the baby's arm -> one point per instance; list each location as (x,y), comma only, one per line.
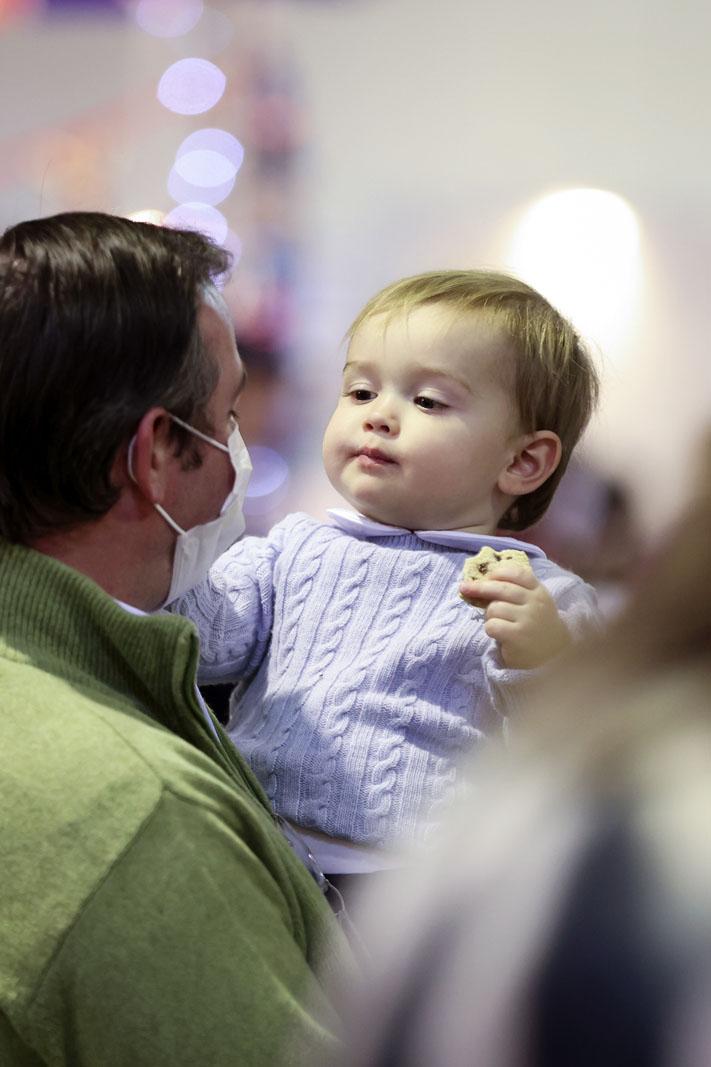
(233,609)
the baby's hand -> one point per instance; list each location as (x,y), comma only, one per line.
(520,614)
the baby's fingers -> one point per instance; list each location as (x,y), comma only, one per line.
(483,592)
(503,611)
(500,629)
(507,571)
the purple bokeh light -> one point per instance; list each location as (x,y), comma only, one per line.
(168,18)
(198,216)
(213,140)
(203,167)
(183,191)
(270,474)
(191,86)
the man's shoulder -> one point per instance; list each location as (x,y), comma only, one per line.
(83,778)
(101,753)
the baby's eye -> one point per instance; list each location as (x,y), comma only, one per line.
(428,403)
(361,395)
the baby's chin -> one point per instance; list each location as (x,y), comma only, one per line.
(382,515)
(387,517)
(384,518)
(400,515)
(403,519)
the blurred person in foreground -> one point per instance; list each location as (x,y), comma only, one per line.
(565,917)
(151,909)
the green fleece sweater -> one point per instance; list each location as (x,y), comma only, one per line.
(151,912)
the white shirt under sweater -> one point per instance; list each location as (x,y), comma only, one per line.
(363,676)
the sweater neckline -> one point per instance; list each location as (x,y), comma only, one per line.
(358,525)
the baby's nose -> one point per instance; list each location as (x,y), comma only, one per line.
(380,422)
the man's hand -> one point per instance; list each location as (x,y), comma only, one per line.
(520,614)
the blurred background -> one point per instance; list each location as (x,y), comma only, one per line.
(334,145)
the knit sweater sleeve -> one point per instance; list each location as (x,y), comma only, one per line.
(233,609)
(578,608)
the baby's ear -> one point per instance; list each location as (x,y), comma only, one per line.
(537,456)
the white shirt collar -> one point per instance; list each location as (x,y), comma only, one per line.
(358,525)
(130,608)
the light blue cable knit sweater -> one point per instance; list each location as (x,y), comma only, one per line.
(363,675)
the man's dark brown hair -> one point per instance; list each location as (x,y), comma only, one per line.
(98,323)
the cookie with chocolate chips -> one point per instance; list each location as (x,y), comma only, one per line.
(478,567)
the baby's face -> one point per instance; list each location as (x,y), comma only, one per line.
(425,425)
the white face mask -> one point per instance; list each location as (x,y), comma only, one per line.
(198,548)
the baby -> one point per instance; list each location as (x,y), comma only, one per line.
(364,676)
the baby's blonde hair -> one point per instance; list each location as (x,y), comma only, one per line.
(555,384)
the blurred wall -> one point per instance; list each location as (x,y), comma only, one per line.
(428,129)
(433,126)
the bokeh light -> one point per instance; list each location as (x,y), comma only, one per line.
(216,141)
(581,249)
(147,214)
(201,217)
(204,167)
(183,192)
(217,31)
(270,474)
(191,86)
(168,18)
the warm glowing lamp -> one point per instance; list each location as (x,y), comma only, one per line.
(148,214)
(581,249)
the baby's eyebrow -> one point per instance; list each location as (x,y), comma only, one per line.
(418,370)
(355,364)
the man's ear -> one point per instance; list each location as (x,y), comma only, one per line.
(150,455)
(537,456)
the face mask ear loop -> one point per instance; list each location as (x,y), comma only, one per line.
(129,459)
(171,522)
(199,433)
(161,511)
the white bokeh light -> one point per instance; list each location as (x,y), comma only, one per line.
(203,167)
(201,217)
(183,192)
(191,86)
(581,249)
(168,18)
(215,141)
